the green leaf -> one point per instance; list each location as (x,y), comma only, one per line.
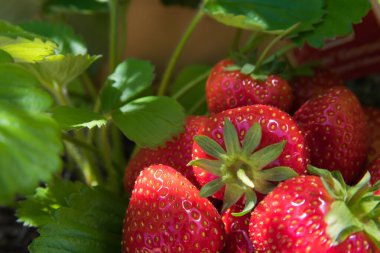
(68,42)
(5,57)
(59,69)
(150,121)
(70,117)
(38,210)
(189,88)
(92,222)
(250,202)
(130,78)
(210,146)
(211,187)
(232,194)
(24,46)
(268,154)
(30,148)
(231,138)
(21,89)
(252,139)
(266,16)
(212,166)
(82,6)
(341,14)
(277,174)
(339,219)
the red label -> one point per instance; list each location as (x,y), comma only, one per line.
(350,57)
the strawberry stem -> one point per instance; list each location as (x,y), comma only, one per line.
(265,52)
(177,51)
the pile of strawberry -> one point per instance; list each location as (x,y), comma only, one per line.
(243,179)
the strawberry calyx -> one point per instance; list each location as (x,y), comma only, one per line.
(354,208)
(240,167)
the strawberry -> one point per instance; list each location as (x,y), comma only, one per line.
(236,227)
(374,170)
(317,214)
(175,153)
(247,149)
(227,89)
(336,131)
(373,117)
(307,87)
(166,214)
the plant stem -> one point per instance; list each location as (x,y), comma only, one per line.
(88,86)
(84,160)
(113,4)
(177,51)
(190,85)
(264,54)
(236,41)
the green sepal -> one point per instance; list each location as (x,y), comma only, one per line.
(212,166)
(265,156)
(245,179)
(357,191)
(211,187)
(231,138)
(232,194)
(247,69)
(232,68)
(210,146)
(278,174)
(250,202)
(332,185)
(264,187)
(341,222)
(252,139)
(372,229)
(376,186)
(259,77)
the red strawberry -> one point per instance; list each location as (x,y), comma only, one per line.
(336,131)
(236,227)
(227,89)
(246,149)
(176,153)
(314,214)
(166,214)
(307,87)
(373,117)
(374,170)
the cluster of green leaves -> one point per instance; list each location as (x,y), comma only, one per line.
(318,19)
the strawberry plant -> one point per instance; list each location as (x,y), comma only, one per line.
(104,152)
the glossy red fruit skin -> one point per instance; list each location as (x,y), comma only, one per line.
(276,127)
(336,131)
(307,87)
(374,170)
(373,117)
(291,219)
(166,214)
(175,153)
(237,235)
(231,89)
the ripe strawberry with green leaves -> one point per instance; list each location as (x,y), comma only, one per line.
(166,214)
(335,127)
(318,214)
(373,117)
(306,87)
(175,153)
(244,151)
(236,227)
(229,86)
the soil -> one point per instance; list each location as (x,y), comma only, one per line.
(14,237)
